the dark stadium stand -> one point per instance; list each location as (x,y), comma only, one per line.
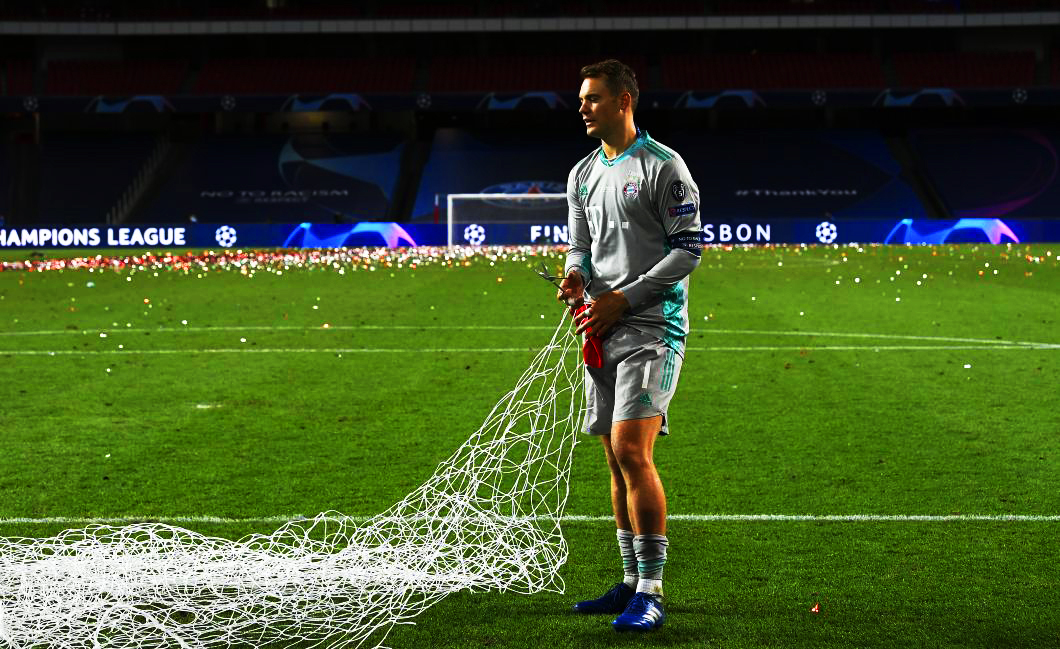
(743,174)
(992,173)
(462,162)
(19,77)
(115,77)
(807,7)
(516,73)
(7,182)
(121,11)
(804,173)
(771,71)
(659,8)
(82,176)
(426,10)
(965,69)
(781,7)
(426,87)
(282,178)
(263,76)
(537,9)
(236,12)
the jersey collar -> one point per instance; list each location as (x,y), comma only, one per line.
(642,137)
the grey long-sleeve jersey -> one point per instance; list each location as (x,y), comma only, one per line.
(633,225)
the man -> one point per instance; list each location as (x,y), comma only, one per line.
(634,238)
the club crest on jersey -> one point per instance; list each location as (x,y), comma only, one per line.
(630,189)
(678,190)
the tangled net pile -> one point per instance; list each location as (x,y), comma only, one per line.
(488,519)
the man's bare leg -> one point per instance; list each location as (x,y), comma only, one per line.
(638,499)
(630,455)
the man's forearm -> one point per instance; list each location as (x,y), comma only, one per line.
(670,270)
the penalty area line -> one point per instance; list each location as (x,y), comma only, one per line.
(571,518)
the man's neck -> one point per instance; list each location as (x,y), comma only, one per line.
(616,146)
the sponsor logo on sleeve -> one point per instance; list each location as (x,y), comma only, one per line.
(683,210)
(678,191)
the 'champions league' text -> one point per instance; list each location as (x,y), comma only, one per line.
(91,237)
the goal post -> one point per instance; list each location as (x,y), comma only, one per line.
(477,219)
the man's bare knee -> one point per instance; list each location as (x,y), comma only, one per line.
(612,461)
(631,456)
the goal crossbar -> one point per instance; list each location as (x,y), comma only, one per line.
(451,197)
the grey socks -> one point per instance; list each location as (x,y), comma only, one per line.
(650,550)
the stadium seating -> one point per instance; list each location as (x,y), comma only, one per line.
(965,69)
(658,8)
(265,76)
(516,73)
(93,11)
(19,77)
(771,71)
(530,8)
(425,10)
(82,176)
(782,7)
(462,162)
(796,173)
(283,179)
(992,173)
(7,182)
(115,77)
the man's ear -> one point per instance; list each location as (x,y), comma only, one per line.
(625,101)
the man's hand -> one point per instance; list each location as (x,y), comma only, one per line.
(603,313)
(572,291)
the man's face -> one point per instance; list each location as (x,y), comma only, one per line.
(600,110)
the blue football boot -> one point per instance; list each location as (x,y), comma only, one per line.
(643,613)
(613,601)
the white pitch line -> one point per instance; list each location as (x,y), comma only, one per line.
(501,350)
(470,350)
(827,334)
(749,332)
(330,327)
(572,518)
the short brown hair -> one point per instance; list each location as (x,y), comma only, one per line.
(618,76)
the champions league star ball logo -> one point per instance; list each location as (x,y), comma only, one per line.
(826,232)
(475,234)
(226,236)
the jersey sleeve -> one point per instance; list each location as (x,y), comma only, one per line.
(579,251)
(676,201)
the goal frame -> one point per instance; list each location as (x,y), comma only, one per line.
(488,196)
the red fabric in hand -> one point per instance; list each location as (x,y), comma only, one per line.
(593,349)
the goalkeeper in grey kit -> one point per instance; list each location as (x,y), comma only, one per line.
(635,236)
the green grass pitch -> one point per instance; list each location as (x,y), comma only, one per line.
(823,381)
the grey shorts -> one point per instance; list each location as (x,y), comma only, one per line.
(637,381)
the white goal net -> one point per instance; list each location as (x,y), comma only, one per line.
(481,219)
(487,519)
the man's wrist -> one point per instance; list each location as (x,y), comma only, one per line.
(636,292)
